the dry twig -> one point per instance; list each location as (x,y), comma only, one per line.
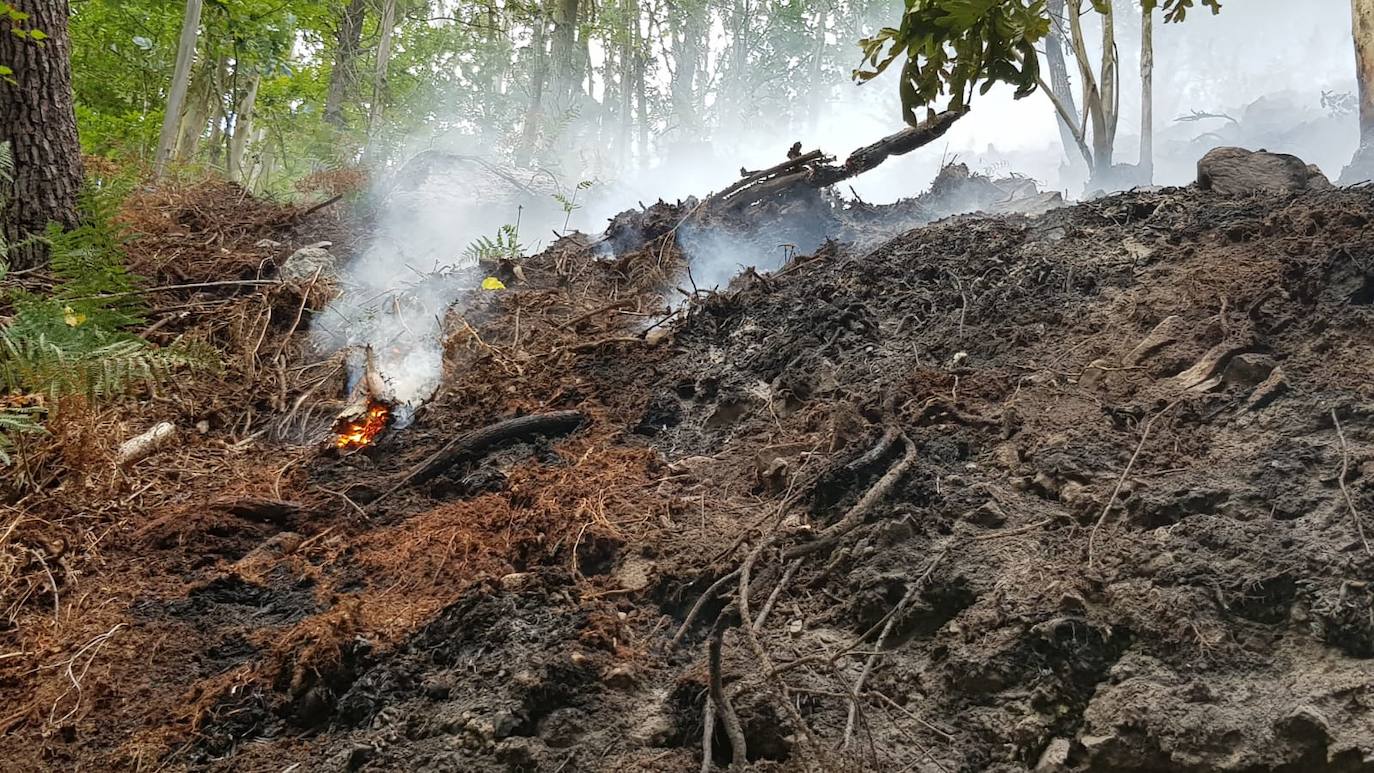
(1345,490)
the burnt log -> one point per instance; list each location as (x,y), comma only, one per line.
(473,445)
(811,171)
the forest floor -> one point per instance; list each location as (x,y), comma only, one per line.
(1077,491)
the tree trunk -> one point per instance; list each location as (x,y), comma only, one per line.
(38,120)
(181,77)
(689,33)
(1361,167)
(1147,96)
(386,30)
(197,112)
(565,53)
(539,73)
(1095,100)
(218,115)
(343,76)
(243,128)
(1061,87)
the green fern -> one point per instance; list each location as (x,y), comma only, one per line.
(506,246)
(73,340)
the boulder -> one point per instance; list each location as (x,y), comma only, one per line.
(1231,171)
(303,264)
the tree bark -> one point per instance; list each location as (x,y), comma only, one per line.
(243,128)
(386,29)
(539,73)
(1361,167)
(181,77)
(564,52)
(196,114)
(343,76)
(1147,96)
(1362,25)
(1061,87)
(38,120)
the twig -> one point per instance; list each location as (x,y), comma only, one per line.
(192,286)
(1144,435)
(322,205)
(1345,491)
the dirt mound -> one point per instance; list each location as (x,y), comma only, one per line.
(1080,491)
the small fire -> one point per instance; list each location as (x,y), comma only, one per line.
(360,431)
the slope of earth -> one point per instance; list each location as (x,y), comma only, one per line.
(1082,491)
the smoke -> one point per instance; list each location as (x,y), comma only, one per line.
(1263,63)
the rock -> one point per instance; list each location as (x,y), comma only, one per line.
(621,676)
(634,574)
(989,515)
(437,687)
(1055,757)
(518,581)
(1248,369)
(305,262)
(1268,390)
(1305,722)
(1231,171)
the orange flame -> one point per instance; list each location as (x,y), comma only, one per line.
(360,432)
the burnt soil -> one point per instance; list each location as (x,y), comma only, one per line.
(1121,452)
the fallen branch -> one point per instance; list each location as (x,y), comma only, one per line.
(772,183)
(474,444)
(142,446)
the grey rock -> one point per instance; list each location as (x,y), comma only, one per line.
(304,263)
(1232,171)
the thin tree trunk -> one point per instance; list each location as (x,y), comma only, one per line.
(1147,96)
(529,133)
(379,90)
(1094,100)
(181,76)
(565,53)
(343,76)
(197,111)
(38,120)
(1061,87)
(218,115)
(243,127)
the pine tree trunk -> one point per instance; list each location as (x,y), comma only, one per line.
(38,120)
(181,77)
(343,76)
(1147,96)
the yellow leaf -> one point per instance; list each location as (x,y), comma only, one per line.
(492,283)
(72,318)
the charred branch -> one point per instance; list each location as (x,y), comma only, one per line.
(472,445)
